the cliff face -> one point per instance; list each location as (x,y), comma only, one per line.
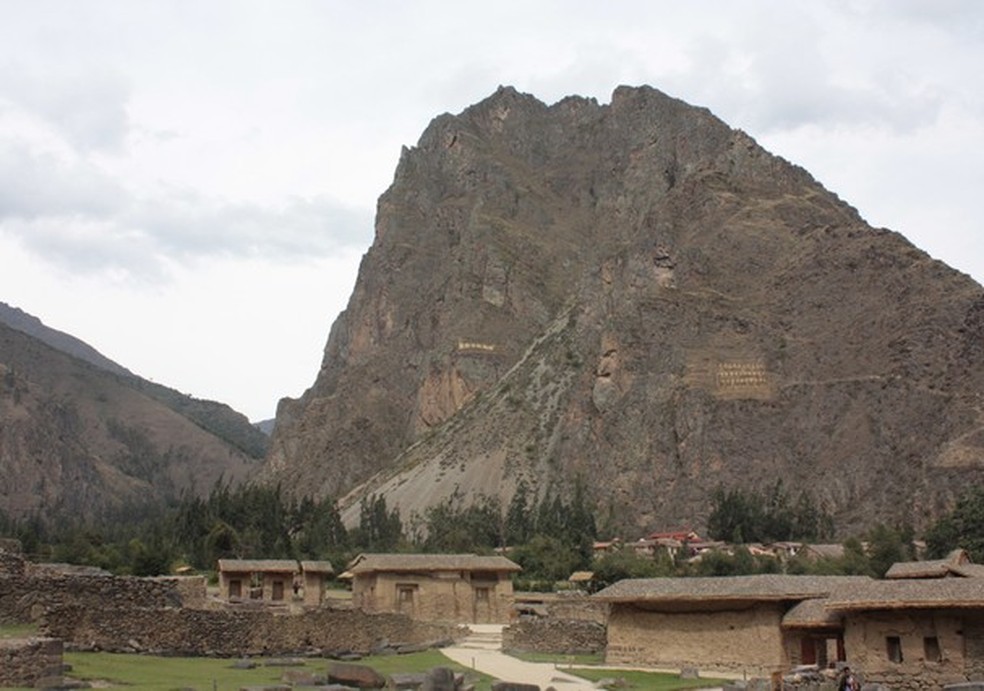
(637,294)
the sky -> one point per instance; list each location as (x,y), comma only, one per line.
(189,185)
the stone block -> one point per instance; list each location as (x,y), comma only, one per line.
(513,686)
(360,676)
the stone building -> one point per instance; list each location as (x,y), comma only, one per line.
(914,633)
(462,588)
(316,575)
(271,580)
(733,624)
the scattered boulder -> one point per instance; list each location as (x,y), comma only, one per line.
(359,676)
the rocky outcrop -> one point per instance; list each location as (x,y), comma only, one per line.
(637,294)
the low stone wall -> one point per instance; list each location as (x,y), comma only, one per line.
(555,636)
(231,633)
(25,662)
(11,562)
(25,598)
(568,606)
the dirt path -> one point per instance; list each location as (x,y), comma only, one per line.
(482,651)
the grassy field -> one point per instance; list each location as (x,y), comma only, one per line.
(650,681)
(113,670)
(116,670)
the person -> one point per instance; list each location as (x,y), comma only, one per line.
(848,681)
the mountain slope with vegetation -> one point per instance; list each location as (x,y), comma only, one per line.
(77,440)
(214,417)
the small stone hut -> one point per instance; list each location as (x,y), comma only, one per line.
(316,575)
(270,580)
(462,588)
(733,624)
(911,633)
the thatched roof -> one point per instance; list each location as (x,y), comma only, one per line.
(760,588)
(936,568)
(369,563)
(317,567)
(258,566)
(956,563)
(812,614)
(936,593)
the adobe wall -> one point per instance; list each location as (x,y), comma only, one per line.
(444,597)
(865,640)
(25,661)
(557,636)
(236,631)
(747,640)
(24,598)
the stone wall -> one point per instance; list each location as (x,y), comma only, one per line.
(866,641)
(236,632)
(558,636)
(742,641)
(24,662)
(25,598)
(11,562)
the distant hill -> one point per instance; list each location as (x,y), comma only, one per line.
(217,418)
(637,295)
(77,440)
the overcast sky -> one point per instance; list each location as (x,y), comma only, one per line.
(188,186)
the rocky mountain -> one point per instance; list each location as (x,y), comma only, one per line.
(638,295)
(217,418)
(77,440)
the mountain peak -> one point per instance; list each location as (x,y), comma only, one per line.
(639,294)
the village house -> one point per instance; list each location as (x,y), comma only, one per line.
(462,588)
(957,564)
(732,624)
(914,633)
(316,575)
(271,580)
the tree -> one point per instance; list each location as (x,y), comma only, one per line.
(963,528)
(379,529)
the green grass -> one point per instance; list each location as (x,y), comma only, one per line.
(169,673)
(650,681)
(596,659)
(18,630)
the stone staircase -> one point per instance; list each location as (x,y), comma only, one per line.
(483,637)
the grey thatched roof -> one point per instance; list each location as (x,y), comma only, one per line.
(933,593)
(317,567)
(258,566)
(956,563)
(812,613)
(768,587)
(368,563)
(937,568)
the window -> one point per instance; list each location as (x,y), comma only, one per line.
(235,588)
(482,594)
(893,646)
(931,649)
(405,596)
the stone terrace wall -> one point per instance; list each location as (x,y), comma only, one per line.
(25,598)
(578,606)
(555,636)
(11,562)
(228,632)
(24,662)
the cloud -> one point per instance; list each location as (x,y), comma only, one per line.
(35,183)
(87,107)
